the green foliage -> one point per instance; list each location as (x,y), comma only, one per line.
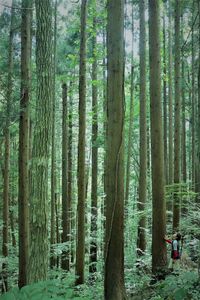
(182,287)
(52,289)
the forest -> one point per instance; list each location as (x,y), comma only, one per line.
(100,149)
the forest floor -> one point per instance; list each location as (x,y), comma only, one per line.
(180,284)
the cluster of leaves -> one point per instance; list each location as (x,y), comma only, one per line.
(184,286)
(54,289)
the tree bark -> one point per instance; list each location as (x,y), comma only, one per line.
(6,178)
(94,208)
(24,142)
(65,222)
(159,257)
(130,130)
(39,241)
(141,245)
(176,204)
(114,288)
(170,99)
(165,112)
(53,148)
(80,248)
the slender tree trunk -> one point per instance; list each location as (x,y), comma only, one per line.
(130,132)
(159,257)
(39,240)
(193,119)
(183,140)
(80,248)
(71,214)
(53,148)
(7,156)
(65,222)
(114,288)
(143,134)
(93,245)
(176,205)
(198,128)
(24,142)
(170,99)
(165,102)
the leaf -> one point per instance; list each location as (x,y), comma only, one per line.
(180,294)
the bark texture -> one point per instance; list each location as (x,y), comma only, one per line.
(159,257)
(143,134)
(93,245)
(24,142)
(80,248)
(39,209)
(177,144)
(114,243)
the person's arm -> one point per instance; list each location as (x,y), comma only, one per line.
(166,239)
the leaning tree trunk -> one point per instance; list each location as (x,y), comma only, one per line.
(24,141)
(39,218)
(114,243)
(159,257)
(176,205)
(7,156)
(141,245)
(80,248)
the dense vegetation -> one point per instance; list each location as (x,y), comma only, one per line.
(99,148)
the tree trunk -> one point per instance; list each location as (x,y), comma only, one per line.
(183,144)
(165,102)
(39,220)
(198,128)
(193,116)
(24,142)
(130,130)
(170,100)
(159,257)
(93,245)
(71,209)
(141,245)
(53,148)
(176,204)
(80,248)
(7,156)
(114,288)
(65,222)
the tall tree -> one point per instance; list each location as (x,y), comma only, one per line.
(93,245)
(6,168)
(143,133)
(170,97)
(80,249)
(39,243)
(183,123)
(159,257)
(193,104)
(198,124)
(53,145)
(165,100)
(65,217)
(131,116)
(114,243)
(24,141)
(177,107)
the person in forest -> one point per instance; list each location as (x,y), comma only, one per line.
(175,250)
